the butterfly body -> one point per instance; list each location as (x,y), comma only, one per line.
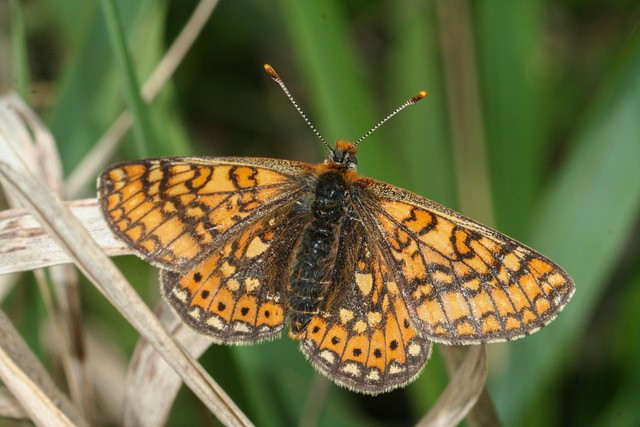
(315,257)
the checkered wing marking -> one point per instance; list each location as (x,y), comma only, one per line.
(173,211)
(234,296)
(464,282)
(365,339)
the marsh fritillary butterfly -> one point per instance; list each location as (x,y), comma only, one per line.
(367,275)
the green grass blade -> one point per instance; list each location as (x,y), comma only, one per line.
(141,121)
(150,46)
(418,137)
(323,51)
(88,97)
(583,224)
(621,404)
(19,49)
(508,42)
(340,99)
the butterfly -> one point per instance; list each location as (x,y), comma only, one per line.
(366,275)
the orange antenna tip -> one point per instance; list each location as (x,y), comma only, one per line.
(419,96)
(410,101)
(272,73)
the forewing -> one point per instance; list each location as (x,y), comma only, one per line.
(235,295)
(173,211)
(464,282)
(365,339)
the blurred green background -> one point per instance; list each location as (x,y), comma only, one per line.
(532,125)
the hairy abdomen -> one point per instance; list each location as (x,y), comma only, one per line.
(315,257)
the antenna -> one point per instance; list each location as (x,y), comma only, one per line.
(272,73)
(412,100)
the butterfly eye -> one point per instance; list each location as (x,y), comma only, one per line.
(344,158)
(351,161)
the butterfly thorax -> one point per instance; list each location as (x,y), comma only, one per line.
(315,256)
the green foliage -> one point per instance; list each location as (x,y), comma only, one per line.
(559,86)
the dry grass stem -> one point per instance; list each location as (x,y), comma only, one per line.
(35,146)
(30,383)
(151,384)
(6,281)
(108,369)
(10,407)
(484,412)
(27,246)
(27,136)
(68,308)
(68,333)
(57,329)
(315,402)
(462,391)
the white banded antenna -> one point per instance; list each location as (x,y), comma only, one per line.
(272,73)
(420,95)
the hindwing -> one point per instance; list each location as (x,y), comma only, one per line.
(235,294)
(364,338)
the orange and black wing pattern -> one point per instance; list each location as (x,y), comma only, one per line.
(462,282)
(219,229)
(235,294)
(247,245)
(364,338)
(172,211)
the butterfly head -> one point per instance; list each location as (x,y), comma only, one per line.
(344,155)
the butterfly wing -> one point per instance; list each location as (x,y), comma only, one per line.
(234,296)
(220,228)
(173,211)
(463,282)
(364,338)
